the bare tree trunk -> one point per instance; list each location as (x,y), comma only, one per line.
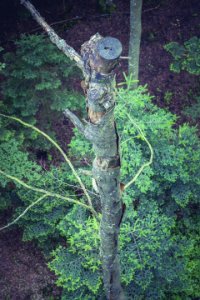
(135,37)
(98,58)
(106,166)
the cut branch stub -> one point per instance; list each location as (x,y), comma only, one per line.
(106,55)
(109,50)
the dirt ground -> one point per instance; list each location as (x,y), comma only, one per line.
(23,270)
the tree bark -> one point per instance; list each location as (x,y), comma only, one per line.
(135,38)
(99,56)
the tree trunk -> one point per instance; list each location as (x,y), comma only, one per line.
(99,56)
(134,41)
(103,54)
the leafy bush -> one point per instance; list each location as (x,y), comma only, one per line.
(40,221)
(106,6)
(152,249)
(2,65)
(158,240)
(193,111)
(186,56)
(37,85)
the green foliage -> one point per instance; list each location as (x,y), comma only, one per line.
(186,56)
(174,170)
(158,239)
(168,97)
(149,252)
(190,226)
(78,266)
(40,222)
(155,257)
(37,85)
(193,111)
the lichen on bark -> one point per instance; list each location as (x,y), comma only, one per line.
(101,131)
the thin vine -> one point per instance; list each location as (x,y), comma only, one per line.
(145,165)
(23,213)
(62,153)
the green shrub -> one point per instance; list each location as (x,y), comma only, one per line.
(40,221)
(152,249)
(193,111)
(106,6)
(37,86)
(2,65)
(158,241)
(186,56)
(168,97)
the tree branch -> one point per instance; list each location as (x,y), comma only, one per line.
(75,120)
(60,43)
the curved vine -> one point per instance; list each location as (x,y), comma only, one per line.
(67,160)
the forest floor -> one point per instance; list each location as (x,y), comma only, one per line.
(23,270)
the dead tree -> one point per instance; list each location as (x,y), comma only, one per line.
(99,56)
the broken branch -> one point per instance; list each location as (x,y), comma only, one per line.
(60,43)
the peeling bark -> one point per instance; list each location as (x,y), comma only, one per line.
(101,131)
(102,56)
(99,56)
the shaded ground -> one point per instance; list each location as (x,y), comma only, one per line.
(23,272)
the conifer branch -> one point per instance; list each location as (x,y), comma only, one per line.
(75,120)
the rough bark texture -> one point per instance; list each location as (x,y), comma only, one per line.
(99,57)
(101,131)
(135,37)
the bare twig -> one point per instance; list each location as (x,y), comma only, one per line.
(57,23)
(124,57)
(75,120)
(150,9)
